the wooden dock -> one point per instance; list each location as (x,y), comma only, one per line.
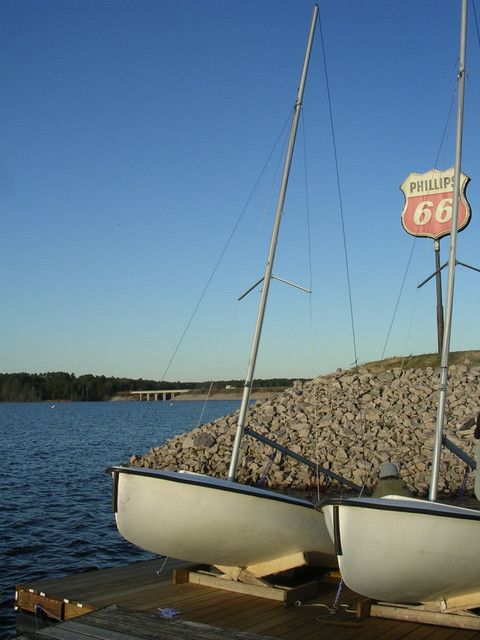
(141,601)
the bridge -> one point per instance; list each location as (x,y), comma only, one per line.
(158,394)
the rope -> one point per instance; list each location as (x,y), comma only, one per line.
(263,478)
(336,610)
(463,486)
(159,571)
(338,594)
(168,613)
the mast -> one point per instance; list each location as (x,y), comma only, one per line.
(247,388)
(452,261)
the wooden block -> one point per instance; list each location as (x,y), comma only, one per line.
(180,576)
(76,609)
(300,593)
(33,601)
(363,607)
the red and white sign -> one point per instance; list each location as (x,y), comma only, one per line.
(428,203)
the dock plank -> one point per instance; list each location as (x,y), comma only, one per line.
(142,591)
(79,631)
(117,623)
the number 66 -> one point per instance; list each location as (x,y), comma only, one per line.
(443,212)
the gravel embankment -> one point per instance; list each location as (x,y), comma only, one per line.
(347,422)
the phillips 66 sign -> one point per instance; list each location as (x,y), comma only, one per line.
(428,203)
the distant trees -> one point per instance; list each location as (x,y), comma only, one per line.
(35,387)
(38,387)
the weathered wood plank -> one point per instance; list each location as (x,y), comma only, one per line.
(426,617)
(374,628)
(237,618)
(117,623)
(232,609)
(81,631)
(464,634)
(98,581)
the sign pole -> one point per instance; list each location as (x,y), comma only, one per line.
(438,279)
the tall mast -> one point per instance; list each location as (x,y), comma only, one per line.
(271,256)
(452,261)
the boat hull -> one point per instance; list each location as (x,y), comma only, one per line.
(213,521)
(405,550)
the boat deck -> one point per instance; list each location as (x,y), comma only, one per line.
(128,602)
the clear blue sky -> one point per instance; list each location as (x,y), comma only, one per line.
(132,133)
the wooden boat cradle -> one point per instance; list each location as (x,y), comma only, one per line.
(246,584)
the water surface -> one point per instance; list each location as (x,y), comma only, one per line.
(56,497)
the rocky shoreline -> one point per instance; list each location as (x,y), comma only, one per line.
(348,422)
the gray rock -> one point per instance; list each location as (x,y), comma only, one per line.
(347,421)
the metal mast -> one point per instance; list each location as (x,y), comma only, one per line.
(271,256)
(452,261)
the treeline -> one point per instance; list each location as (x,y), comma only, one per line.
(38,387)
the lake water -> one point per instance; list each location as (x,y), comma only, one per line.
(56,497)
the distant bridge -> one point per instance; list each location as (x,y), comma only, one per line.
(158,394)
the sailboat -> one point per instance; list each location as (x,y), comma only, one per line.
(222,522)
(404,549)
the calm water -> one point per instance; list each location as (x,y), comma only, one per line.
(56,497)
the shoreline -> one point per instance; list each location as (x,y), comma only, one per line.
(216,395)
(255,395)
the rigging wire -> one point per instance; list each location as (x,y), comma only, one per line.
(268,200)
(310,309)
(476,21)
(222,351)
(399,297)
(345,248)
(415,238)
(477,31)
(332,126)
(222,253)
(445,127)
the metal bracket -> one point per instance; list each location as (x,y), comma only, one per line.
(254,286)
(457,262)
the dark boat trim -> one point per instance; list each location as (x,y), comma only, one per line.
(336,531)
(205,481)
(405,507)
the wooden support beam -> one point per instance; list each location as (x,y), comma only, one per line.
(464,620)
(288,595)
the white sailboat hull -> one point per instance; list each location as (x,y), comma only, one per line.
(404,549)
(213,521)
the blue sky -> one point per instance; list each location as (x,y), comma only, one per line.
(132,135)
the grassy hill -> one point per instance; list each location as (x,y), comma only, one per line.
(468,358)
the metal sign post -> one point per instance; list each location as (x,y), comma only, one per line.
(438,282)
